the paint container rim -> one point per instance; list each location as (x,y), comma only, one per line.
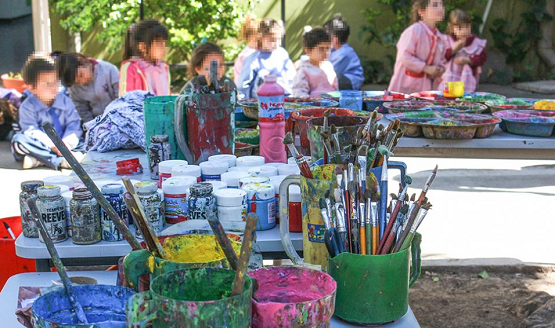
(214,167)
(166,166)
(185,170)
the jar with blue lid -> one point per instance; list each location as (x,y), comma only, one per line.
(113,192)
(261,200)
(212,170)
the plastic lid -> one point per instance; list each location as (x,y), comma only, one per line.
(230,197)
(232,178)
(294,194)
(291,160)
(276,181)
(289,169)
(49,191)
(239,169)
(63,188)
(251,179)
(216,185)
(186,170)
(201,189)
(112,189)
(178,185)
(250,161)
(230,159)
(265,171)
(270,78)
(274,164)
(146,187)
(31,185)
(213,167)
(166,166)
(59,180)
(259,191)
(159,138)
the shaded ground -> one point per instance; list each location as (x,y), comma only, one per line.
(453,299)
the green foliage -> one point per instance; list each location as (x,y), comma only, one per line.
(188,22)
(387,35)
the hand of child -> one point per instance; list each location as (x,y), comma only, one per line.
(434,71)
(462,61)
(459,45)
(55,150)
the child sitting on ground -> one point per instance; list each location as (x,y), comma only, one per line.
(466,53)
(92,83)
(44,104)
(249,34)
(145,70)
(199,67)
(315,76)
(346,63)
(269,59)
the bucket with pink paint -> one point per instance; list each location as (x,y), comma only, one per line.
(292,297)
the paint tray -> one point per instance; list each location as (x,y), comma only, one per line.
(527,122)
(438,105)
(481,97)
(511,104)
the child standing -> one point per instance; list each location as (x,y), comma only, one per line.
(44,104)
(316,75)
(199,67)
(145,70)
(466,53)
(92,83)
(343,57)
(249,34)
(420,50)
(269,59)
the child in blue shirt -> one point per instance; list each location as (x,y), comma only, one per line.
(269,59)
(346,63)
(44,104)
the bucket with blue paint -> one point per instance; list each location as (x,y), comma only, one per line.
(261,198)
(104,307)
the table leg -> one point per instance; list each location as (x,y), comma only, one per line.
(42,265)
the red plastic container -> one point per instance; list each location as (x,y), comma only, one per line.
(129,166)
(11,263)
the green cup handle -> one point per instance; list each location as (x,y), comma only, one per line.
(416,266)
(141,310)
(135,265)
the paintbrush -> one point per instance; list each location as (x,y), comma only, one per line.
(395,211)
(301,161)
(214,84)
(420,217)
(340,216)
(223,240)
(353,197)
(91,186)
(414,212)
(327,146)
(383,199)
(396,226)
(244,256)
(331,236)
(347,206)
(60,268)
(338,153)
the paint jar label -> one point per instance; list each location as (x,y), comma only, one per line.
(316,233)
(54,219)
(270,107)
(109,230)
(206,177)
(272,212)
(176,208)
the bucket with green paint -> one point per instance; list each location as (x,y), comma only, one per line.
(192,298)
(182,252)
(374,289)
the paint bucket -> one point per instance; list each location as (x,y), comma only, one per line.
(314,249)
(347,127)
(192,298)
(104,307)
(159,119)
(374,289)
(292,297)
(11,263)
(296,123)
(182,251)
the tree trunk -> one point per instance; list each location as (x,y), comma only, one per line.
(545,46)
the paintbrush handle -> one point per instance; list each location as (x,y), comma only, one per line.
(390,225)
(406,231)
(383,208)
(363,240)
(375,237)
(388,243)
(57,262)
(223,240)
(152,242)
(368,238)
(246,247)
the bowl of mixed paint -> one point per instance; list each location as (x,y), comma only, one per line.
(192,298)
(182,252)
(292,297)
(104,307)
(527,122)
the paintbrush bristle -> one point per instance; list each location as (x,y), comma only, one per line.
(404,209)
(413,197)
(408,179)
(288,139)
(333,129)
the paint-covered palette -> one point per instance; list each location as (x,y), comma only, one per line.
(527,122)
(511,104)
(438,105)
(250,106)
(481,97)
(445,124)
(429,95)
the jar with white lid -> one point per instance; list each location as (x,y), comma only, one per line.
(212,170)
(276,182)
(261,200)
(217,185)
(187,170)
(232,204)
(251,179)
(232,178)
(175,198)
(265,171)
(165,169)
(250,161)
(58,180)
(230,159)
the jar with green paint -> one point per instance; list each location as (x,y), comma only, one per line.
(85,218)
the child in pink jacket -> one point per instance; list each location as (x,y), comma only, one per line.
(315,75)
(466,53)
(420,50)
(145,70)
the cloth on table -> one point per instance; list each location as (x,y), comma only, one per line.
(121,126)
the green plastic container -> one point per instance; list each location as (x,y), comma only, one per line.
(159,119)
(374,289)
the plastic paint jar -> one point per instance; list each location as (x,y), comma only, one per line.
(251,179)
(202,203)
(175,198)
(113,192)
(159,150)
(187,170)
(232,204)
(52,209)
(232,178)
(289,169)
(261,200)
(250,161)
(165,169)
(129,167)
(217,185)
(212,171)
(85,217)
(230,159)
(276,182)
(28,191)
(57,180)
(152,205)
(295,211)
(265,171)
